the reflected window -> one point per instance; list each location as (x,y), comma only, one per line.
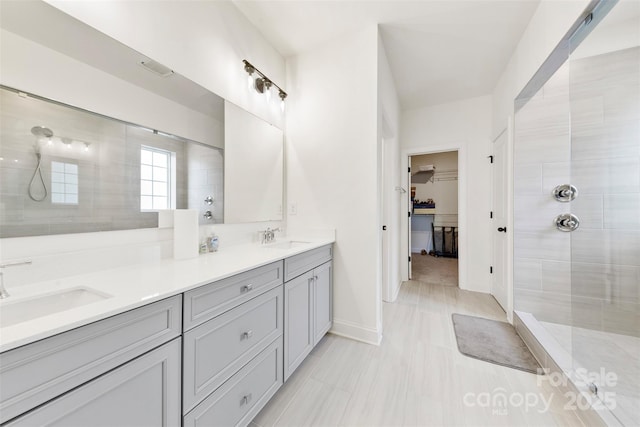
(64,183)
(155,178)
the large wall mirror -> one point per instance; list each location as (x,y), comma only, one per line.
(92,139)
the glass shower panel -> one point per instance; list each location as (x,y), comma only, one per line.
(604,90)
(542,263)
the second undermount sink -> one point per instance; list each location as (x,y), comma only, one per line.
(12,313)
(287,244)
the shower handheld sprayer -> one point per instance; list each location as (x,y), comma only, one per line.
(39,131)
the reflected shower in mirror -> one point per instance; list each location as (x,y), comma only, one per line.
(99,87)
(65,170)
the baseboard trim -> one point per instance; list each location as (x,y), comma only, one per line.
(397,292)
(353,331)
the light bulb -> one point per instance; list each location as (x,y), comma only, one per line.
(49,141)
(249,81)
(268,95)
(86,146)
(282,105)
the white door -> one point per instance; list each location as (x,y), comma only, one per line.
(409,213)
(386,214)
(499,209)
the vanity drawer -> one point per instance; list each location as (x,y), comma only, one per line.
(300,264)
(217,349)
(209,301)
(35,373)
(240,399)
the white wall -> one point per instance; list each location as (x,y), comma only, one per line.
(332,165)
(64,79)
(465,126)
(444,188)
(390,176)
(549,24)
(204,41)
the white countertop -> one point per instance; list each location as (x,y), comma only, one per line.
(137,285)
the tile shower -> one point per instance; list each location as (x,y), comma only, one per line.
(105,155)
(583,287)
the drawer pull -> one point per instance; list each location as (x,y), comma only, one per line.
(245,399)
(246,288)
(246,335)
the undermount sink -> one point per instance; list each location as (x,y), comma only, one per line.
(12,313)
(287,244)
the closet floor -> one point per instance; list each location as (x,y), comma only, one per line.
(435,271)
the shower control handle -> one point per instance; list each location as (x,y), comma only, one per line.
(565,193)
(567,222)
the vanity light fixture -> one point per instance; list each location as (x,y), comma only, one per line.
(250,70)
(262,83)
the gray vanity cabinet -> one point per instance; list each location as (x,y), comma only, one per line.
(298,321)
(36,373)
(216,350)
(233,358)
(323,298)
(143,392)
(308,305)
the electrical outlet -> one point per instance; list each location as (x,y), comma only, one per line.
(293,208)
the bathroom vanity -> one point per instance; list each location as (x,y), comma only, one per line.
(211,352)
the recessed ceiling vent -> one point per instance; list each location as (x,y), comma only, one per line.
(157,68)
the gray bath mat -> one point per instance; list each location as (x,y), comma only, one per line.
(494,342)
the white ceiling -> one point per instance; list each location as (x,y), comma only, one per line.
(439,50)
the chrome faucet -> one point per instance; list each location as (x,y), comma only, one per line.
(3,292)
(269,235)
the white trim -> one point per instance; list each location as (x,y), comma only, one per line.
(462,205)
(396,292)
(347,329)
(510,207)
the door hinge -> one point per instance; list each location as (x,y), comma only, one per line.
(409,259)
(491,270)
(490,159)
(409,214)
(384,228)
(491,214)
(409,170)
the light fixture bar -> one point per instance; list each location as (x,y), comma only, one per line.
(249,66)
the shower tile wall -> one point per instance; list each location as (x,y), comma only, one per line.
(109,171)
(205,178)
(583,127)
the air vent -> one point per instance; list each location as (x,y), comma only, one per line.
(157,68)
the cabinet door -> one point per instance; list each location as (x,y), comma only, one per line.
(143,392)
(298,321)
(323,303)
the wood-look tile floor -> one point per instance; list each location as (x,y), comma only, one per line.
(416,377)
(432,270)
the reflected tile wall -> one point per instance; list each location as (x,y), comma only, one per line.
(107,155)
(583,128)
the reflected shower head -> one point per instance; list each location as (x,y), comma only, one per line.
(42,131)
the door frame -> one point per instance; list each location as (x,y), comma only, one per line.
(458,146)
(499,265)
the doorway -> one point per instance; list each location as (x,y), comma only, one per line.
(433,220)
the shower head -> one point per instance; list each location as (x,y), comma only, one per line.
(42,131)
